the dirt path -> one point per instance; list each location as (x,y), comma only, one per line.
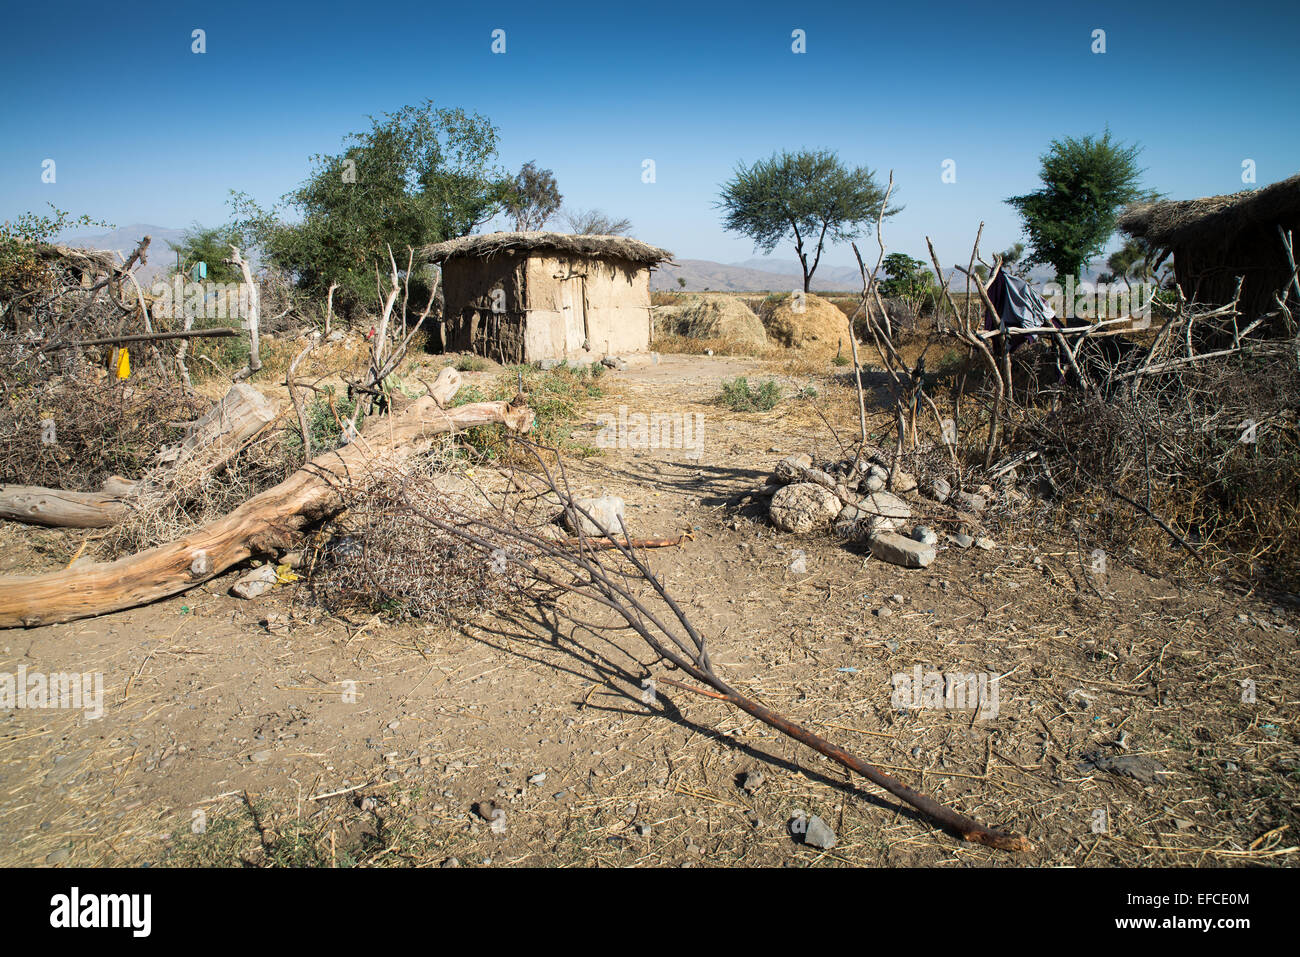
(381,738)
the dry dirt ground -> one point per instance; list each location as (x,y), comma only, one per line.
(222,740)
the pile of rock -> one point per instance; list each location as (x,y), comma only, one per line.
(853,500)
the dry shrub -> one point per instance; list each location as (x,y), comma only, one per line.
(186,497)
(102,426)
(1182,445)
(384,557)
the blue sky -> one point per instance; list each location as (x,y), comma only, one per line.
(144,130)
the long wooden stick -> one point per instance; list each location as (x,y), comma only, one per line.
(968,828)
(123,340)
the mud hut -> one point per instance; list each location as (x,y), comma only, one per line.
(1217,239)
(520,297)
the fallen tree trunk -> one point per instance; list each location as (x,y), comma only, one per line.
(265,523)
(217,435)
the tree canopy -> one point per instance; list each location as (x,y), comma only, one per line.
(533,197)
(417,176)
(211,245)
(808,197)
(1086,183)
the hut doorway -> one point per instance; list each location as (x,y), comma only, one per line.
(573,306)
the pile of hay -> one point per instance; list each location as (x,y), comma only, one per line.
(723,318)
(820,327)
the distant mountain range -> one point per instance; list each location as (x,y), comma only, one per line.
(159,258)
(759,274)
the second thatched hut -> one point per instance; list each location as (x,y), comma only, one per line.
(1218,239)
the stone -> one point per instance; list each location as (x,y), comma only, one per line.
(803,507)
(292,559)
(819,834)
(820,477)
(925,535)
(874,480)
(255,582)
(606,514)
(614,362)
(898,550)
(1139,767)
(904,482)
(937,489)
(884,512)
(985,543)
(537,778)
(969,502)
(961,540)
(791,468)
(59,856)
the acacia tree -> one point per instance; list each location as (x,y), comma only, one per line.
(808,197)
(594,222)
(533,197)
(417,176)
(1086,183)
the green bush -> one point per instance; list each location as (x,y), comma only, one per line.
(738,396)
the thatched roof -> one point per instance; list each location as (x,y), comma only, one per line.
(87,260)
(1214,219)
(598,247)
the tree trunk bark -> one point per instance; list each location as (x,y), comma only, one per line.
(261,525)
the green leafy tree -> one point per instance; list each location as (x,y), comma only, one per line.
(533,197)
(209,245)
(908,279)
(417,176)
(809,198)
(22,267)
(1086,183)
(1130,261)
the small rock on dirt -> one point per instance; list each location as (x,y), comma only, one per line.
(607,512)
(1139,767)
(897,550)
(925,535)
(255,582)
(819,834)
(969,502)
